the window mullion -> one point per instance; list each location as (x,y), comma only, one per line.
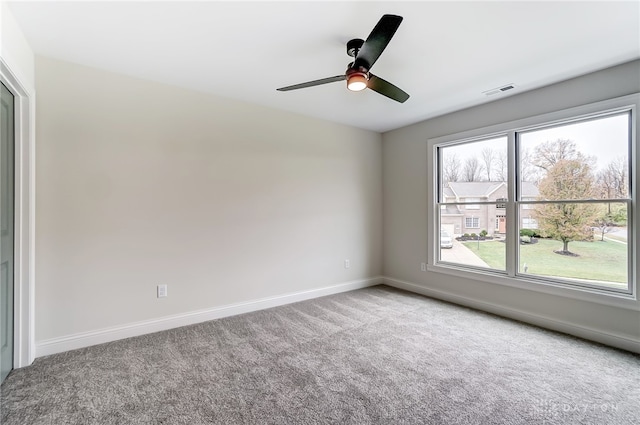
(512,238)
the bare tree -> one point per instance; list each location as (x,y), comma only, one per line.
(612,181)
(529,171)
(551,152)
(501,166)
(618,172)
(452,168)
(604,225)
(488,156)
(605,184)
(472,170)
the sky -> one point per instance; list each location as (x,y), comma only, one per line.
(605,138)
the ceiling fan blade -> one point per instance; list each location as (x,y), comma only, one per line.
(385,88)
(377,41)
(314,83)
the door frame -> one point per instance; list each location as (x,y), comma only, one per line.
(24,203)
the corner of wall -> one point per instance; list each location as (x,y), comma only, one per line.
(15,49)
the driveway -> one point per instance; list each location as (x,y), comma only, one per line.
(618,232)
(462,255)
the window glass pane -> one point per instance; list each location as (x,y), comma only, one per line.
(470,172)
(577,161)
(582,243)
(473,238)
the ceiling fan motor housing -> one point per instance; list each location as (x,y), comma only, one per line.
(353,46)
(351,71)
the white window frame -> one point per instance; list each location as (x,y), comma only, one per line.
(510,277)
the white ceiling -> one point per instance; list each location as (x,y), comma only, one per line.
(445,54)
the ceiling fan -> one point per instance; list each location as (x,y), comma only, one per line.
(365,54)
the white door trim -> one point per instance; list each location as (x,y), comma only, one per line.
(24,256)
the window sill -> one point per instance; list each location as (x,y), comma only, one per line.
(617,300)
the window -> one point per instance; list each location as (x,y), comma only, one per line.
(581,169)
(471,171)
(472,222)
(567,181)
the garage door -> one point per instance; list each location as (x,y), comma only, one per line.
(449,228)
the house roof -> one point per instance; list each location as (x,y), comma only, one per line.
(447,192)
(484,189)
(474,189)
(529,190)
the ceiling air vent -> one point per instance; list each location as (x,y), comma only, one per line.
(499,90)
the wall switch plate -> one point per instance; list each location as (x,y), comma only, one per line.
(162,291)
(347,264)
(423,267)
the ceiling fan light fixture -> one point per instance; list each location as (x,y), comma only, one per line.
(357,81)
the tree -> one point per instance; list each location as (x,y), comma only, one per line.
(501,166)
(619,171)
(472,170)
(605,184)
(604,224)
(488,157)
(451,168)
(612,180)
(567,179)
(550,153)
(529,172)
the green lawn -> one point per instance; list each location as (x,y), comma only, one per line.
(490,252)
(601,261)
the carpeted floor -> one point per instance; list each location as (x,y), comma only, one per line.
(372,356)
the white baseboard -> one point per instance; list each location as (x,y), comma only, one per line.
(618,341)
(86,339)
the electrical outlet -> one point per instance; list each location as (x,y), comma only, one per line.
(347,264)
(423,267)
(162,291)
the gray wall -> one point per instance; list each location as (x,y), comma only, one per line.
(140,184)
(405,194)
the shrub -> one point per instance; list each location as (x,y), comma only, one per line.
(473,235)
(527,232)
(466,235)
(483,233)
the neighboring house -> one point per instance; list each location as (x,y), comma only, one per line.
(470,218)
